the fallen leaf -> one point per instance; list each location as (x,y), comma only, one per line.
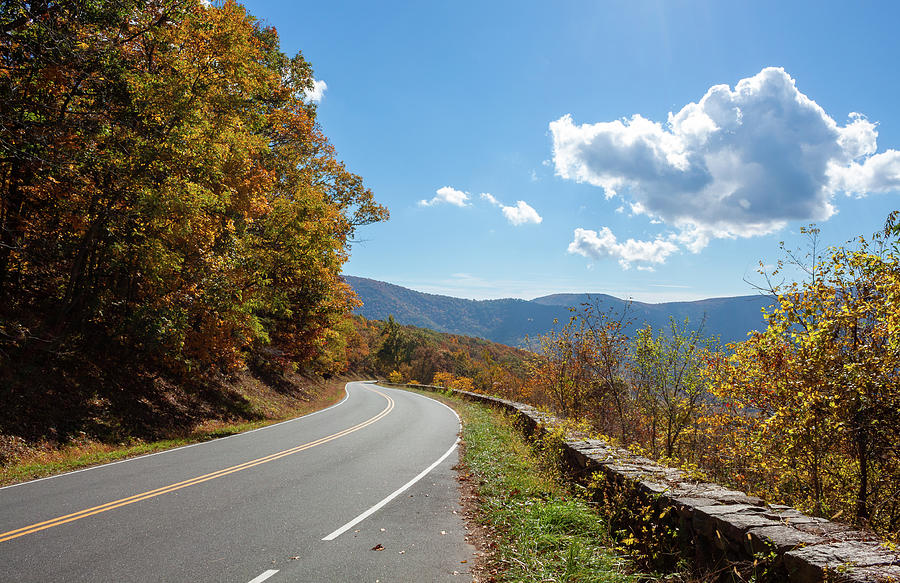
(378,547)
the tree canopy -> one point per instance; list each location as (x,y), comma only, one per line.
(164,182)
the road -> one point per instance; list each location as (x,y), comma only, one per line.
(277,504)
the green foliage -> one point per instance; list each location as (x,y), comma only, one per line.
(417,353)
(667,376)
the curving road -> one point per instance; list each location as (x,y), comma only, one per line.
(304,500)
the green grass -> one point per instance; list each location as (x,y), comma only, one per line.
(543,530)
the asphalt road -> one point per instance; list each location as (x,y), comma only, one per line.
(277,504)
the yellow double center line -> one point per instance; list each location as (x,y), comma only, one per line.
(193,481)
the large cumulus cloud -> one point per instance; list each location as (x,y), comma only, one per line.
(738,163)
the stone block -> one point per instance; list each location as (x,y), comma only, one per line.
(848,561)
(686,506)
(731,522)
(780,538)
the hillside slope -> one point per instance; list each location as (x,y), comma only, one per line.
(509,321)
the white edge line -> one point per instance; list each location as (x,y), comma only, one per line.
(406,486)
(263,576)
(146,455)
(390,497)
(430,399)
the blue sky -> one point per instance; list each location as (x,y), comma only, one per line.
(665,147)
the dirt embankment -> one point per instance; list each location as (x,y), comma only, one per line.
(106,400)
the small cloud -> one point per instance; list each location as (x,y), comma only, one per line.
(534,176)
(490,198)
(516,215)
(449,195)
(317,93)
(521,213)
(603,245)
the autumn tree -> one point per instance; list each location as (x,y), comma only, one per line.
(562,367)
(609,366)
(816,394)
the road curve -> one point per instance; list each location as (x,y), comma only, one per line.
(303,500)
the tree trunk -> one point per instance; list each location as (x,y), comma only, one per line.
(862,447)
(10,221)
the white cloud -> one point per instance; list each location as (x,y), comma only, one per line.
(516,215)
(604,245)
(521,214)
(449,195)
(738,163)
(317,93)
(878,173)
(490,198)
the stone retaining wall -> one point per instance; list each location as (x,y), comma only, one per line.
(720,529)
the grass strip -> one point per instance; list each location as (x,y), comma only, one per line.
(543,531)
(74,457)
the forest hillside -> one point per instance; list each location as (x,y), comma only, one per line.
(509,321)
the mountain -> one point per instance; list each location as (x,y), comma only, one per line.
(509,321)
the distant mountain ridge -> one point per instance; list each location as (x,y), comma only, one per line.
(509,321)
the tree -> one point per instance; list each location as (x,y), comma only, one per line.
(667,372)
(396,346)
(609,362)
(563,367)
